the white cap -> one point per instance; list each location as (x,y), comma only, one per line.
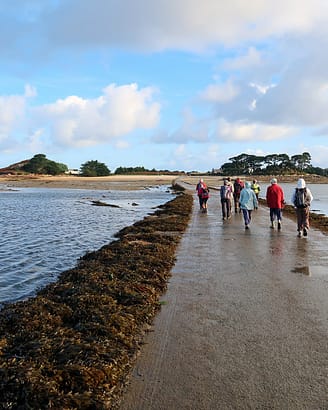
(301,183)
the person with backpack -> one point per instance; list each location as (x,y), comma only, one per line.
(199,189)
(226,195)
(247,203)
(275,201)
(238,186)
(301,199)
(205,195)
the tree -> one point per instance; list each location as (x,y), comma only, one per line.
(94,169)
(39,164)
(301,161)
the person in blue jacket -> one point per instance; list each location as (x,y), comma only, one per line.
(247,202)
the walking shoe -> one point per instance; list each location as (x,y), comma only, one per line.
(299,234)
(246,227)
(279,225)
(272,225)
(304,232)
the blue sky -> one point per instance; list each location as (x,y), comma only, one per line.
(165,84)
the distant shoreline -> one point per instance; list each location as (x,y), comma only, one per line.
(117,182)
(135,182)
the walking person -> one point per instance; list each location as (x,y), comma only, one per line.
(199,188)
(256,188)
(301,199)
(247,203)
(275,201)
(205,195)
(226,195)
(238,186)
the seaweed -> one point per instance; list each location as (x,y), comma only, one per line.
(73,345)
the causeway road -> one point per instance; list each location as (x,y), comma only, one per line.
(244,322)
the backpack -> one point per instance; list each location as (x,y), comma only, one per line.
(225,191)
(237,187)
(299,200)
(205,193)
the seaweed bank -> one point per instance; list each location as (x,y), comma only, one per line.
(74,344)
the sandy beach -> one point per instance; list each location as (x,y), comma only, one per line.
(126,182)
(123,182)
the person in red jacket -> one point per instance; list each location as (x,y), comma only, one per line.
(275,201)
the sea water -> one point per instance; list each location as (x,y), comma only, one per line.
(43,231)
(319,191)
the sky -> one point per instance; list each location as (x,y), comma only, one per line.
(165,84)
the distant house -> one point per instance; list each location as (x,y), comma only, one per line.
(72,172)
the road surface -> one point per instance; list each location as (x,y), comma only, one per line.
(244,321)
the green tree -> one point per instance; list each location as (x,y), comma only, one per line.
(301,161)
(94,169)
(39,164)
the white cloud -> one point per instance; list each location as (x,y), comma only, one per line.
(220,92)
(245,132)
(251,59)
(13,113)
(75,121)
(156,25)
(170,24)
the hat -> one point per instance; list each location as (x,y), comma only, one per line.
(301,183)
(273,181)
(247,184)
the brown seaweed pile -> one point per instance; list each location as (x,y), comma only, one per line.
(72,346)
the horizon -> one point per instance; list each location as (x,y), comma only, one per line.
(168,85)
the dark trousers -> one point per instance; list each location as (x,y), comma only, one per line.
(226,207)
(275,213)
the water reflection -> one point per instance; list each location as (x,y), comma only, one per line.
(276,244)
(301,261)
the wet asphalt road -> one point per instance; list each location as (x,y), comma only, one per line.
(244,324)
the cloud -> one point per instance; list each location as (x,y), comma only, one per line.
(245,132)
(191,129)
(249,60)
(220,92)
(13,113)
(154,25)
(79,122)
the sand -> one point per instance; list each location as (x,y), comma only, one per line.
(118,182)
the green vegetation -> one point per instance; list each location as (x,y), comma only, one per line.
(94,169)
(39,164)
(245,164)
(131,170)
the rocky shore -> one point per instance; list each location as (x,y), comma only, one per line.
(73,345)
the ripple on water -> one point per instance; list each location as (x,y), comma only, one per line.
(45,231)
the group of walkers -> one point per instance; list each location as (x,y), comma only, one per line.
(245,197)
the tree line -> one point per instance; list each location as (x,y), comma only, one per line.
(40,164)
(273,164)
(242,164)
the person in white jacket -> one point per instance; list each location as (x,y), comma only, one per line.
(301,199)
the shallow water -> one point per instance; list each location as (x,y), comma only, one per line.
(319,191)
(44,231)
